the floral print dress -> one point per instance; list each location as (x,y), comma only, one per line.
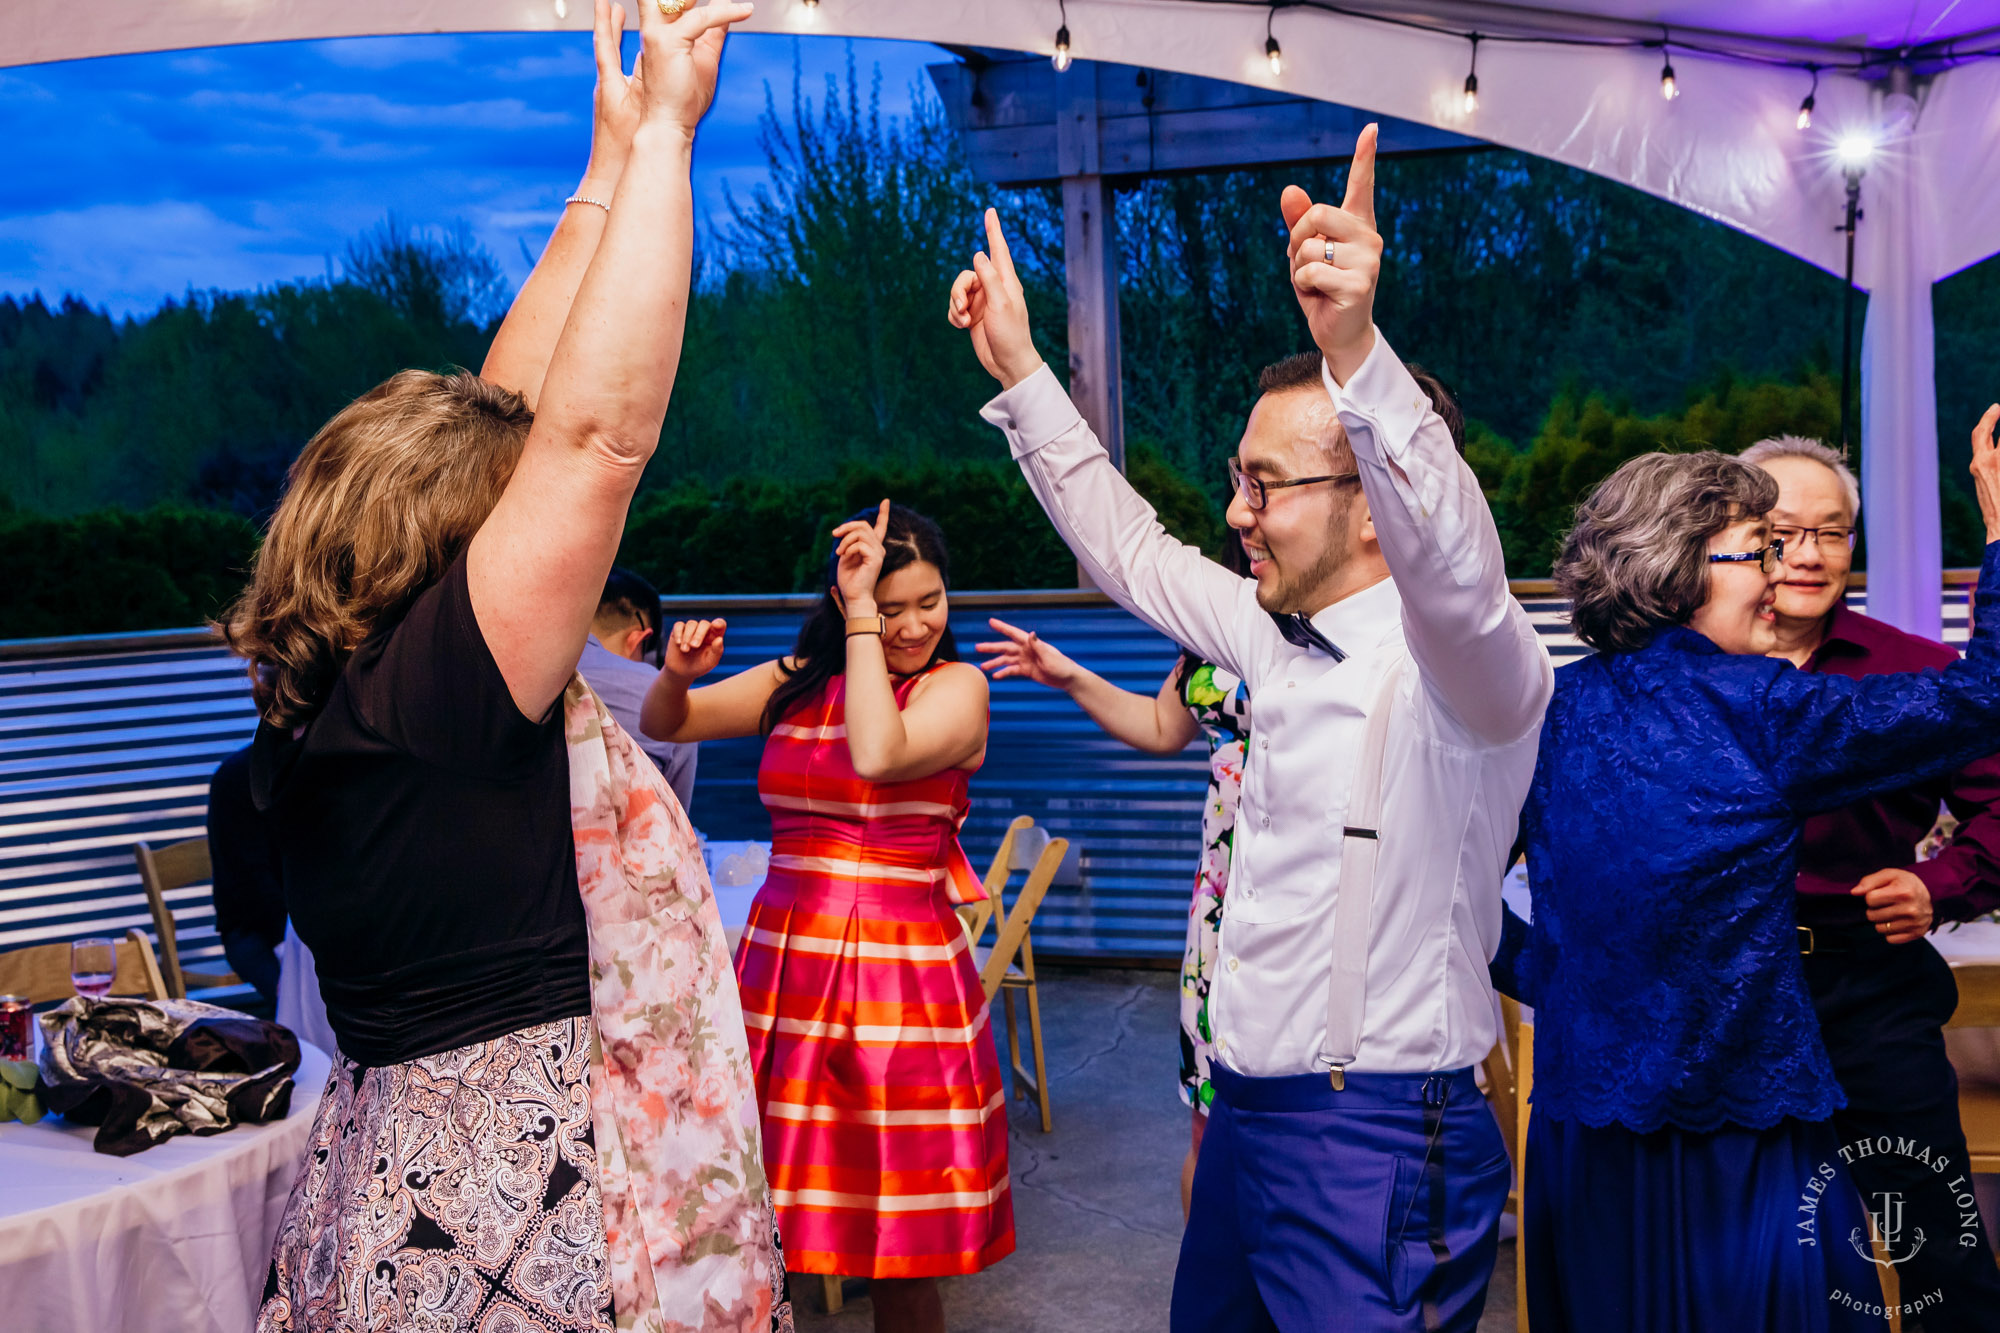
(1222,706)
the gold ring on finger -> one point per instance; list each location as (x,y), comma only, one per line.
(673,9)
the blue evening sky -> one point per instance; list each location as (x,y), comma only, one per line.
(131,179)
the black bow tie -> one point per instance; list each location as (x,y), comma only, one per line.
(1300,632)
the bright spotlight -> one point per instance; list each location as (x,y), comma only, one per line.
(1855,151)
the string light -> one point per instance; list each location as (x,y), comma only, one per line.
(1806,107)
(1668,89)
(1272,51)
(811,7)
(1061,58)
(1472,79)
(562,10)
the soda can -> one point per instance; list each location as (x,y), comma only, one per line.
(17,1034)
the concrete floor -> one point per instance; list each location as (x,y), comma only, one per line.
(1097,1210)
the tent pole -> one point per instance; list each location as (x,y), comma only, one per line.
(1847,310)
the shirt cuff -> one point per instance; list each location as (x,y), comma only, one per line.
(1034,412)
(1949,900)
(1384,396)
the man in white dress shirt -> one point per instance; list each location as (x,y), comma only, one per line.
(1351,1176)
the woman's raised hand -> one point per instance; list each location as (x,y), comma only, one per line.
(988,301)
(679,58)
(1986,471)
(617,102)
(1022,653)
(694,648)
(858,560)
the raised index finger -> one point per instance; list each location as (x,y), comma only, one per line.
(1360,200)
(996,244)
(882,521)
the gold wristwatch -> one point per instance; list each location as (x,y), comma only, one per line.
(877,625)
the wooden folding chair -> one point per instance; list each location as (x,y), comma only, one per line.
(1510,1076)
(1009,966)
(41,971)
(976,916)
(176,866)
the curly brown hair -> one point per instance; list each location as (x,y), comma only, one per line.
(1637,558)
(376,508)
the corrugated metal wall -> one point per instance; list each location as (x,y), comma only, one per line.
(114,740)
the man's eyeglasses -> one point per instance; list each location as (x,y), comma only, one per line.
(1256,492)
(1768,558)
(1835,540)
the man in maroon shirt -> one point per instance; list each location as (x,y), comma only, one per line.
(1865,904)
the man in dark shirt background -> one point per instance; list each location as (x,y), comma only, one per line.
(1865,905)
(249,886)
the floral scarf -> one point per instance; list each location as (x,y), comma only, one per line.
(688,1223)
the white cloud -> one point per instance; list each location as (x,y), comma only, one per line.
(173,245)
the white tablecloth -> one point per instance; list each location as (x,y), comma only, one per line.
(300,1007)
(176,1239)
(736,870)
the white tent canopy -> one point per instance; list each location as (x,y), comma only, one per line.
(1729,147)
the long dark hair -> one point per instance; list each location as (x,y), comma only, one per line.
(821,652)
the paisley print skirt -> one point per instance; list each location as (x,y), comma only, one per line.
(456,1192)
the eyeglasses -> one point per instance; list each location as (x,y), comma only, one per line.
(1825,540)
(1256,492)
(1768,558)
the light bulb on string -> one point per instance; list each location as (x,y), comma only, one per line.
(1806,107)
(811,7)
(562,10)
(1668,88)
(1272,51)
(1061,57)
(1472,79)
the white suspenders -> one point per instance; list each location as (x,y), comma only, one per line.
(1347,992)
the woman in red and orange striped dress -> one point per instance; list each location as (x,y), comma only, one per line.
(885,1125)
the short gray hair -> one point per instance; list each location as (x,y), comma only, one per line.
(1798,446)
(1637,558)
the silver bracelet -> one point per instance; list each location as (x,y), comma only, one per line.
(586,199)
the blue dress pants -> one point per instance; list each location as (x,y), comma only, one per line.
(1375,1207)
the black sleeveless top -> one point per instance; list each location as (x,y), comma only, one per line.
(424,827)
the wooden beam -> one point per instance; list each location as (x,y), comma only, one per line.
(1090,260)
(1019,122)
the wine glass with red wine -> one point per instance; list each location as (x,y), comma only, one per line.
(92,964)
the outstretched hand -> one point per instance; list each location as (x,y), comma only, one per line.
(1986,471)
(1022,653)
(858,560)
(988,302)
(679,59)
(694,648)
(1336,259)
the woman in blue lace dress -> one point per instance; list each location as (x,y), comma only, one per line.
(1683,1174)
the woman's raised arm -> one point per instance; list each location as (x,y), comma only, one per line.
(537,566)
(673,711)
(526,339)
